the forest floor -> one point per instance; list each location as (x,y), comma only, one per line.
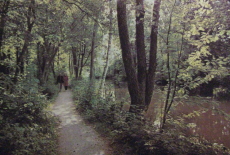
(75,136)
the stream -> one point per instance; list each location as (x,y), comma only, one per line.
(206,118)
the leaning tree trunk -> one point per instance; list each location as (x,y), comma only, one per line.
(169,90)
(126,53)
(152,53)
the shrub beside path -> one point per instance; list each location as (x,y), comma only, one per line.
(75,137)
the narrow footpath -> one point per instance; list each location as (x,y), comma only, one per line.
(75,137)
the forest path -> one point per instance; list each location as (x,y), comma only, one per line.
(75,137)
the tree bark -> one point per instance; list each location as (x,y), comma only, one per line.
(79,59)
(108,49)
(140,46)
(5,6)
(82,60)
(126,53)
(167,102)
(71,67)
(75,62)
(45,57)
(4,10)
(22,54)
(92,69)
(152,53)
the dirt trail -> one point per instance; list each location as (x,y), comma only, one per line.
(75,137)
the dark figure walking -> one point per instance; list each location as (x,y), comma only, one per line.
(65,79)
(60,80)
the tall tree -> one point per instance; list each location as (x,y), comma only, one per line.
(92,69)
(140,87)
(140,47)
(130,70)
(45,56)
(152,53)
(3,13)
(95,31)
(21,55)
(109,46)
(75,60)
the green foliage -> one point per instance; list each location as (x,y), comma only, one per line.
(129,132)
(25,127)
(94,107)
(117,71)
(193,45)
(50,89)
(80,95)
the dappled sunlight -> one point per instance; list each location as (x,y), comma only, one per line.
(67,118)
(100,153)
(154,112)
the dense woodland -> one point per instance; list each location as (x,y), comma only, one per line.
(179,49)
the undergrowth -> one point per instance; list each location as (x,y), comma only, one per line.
(130,134)
(26,128)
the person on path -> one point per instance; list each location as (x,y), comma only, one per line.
(65,79)
(60,80)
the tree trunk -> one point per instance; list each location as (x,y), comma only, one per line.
(79,59)
(92,69)
(140,46)
(108,49)
(75,62)
(45,57)
(126,53)
(82,59)
(71,67)
(53,70)
(152,53)
(4,10)
(22,54)
(169,90)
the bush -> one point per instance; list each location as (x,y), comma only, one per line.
(130,133)
(25,127)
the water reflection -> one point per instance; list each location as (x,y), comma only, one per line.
(210,122)
(204,117)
